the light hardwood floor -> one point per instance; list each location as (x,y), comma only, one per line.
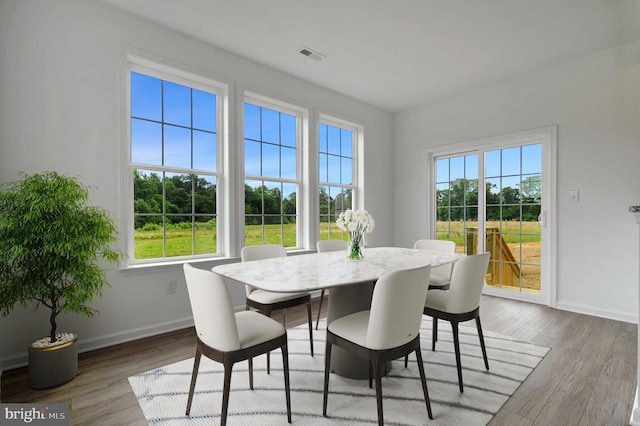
(588,377)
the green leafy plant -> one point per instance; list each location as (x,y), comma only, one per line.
(51,246)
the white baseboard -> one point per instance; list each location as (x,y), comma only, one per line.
(602,313)
(85,345)
(100,342)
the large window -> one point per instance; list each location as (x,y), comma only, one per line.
(336,169)
(271,140)
(173,169)
(200,188)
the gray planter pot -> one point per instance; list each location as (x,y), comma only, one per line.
(53,366)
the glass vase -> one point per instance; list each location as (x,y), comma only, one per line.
(355,249)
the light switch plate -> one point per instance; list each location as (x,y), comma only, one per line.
(574,196)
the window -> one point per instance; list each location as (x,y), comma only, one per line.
(271,151)
(182,170)
(173,169)
(336,144)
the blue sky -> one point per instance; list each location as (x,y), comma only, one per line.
(182,132)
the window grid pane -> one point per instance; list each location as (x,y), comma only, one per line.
(271,176)
(513,198)
(173,135)
(336,171)
(335,155)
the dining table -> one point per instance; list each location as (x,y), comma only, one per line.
(350,282)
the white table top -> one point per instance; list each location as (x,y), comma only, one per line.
(330,269)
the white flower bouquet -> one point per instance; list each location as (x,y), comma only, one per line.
(356,223)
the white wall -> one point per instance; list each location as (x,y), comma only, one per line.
(59,94)
(595,101)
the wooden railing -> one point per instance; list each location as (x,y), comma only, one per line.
(503,267)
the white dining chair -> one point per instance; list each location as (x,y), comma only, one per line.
(228,337)
(387,331)
(461,302)
(440,275)
(322,247)
(267,301)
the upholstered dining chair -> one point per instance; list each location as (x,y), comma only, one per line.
(324,246)
(389,330)
(266,301)
(460,303)
(228,337)
(440,275)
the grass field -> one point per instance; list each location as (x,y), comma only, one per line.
(512,231)
(148,244)
(522,239)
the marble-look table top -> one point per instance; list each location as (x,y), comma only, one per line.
(330,269)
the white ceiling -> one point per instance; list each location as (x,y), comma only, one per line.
(395,54)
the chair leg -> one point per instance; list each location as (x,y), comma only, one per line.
(228,367)
(194,376)
(423,378)
(287,385)
(320,308)
(456,344)
(250,373)
(406,361)
(310,326)
(378,366)
(267,311)
(434,333)
(327,367)
(484,349)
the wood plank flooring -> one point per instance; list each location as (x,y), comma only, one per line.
(588,377)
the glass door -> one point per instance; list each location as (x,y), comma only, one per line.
(513,204)
(494,198)
(457,200)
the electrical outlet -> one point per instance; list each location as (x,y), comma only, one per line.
(171,287)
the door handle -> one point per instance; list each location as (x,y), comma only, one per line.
(542,219)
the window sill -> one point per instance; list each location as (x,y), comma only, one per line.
(170,266)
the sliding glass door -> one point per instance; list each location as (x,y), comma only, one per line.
(492,198)
(513,179)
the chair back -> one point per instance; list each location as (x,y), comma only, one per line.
(438,245)
(442,272)
(266,251)
(396,307)
(212,309)
(467,282)
(331,245)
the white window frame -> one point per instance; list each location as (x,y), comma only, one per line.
(302,151)
(198,80)
(357,192)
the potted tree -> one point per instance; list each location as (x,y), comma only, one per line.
(52,243)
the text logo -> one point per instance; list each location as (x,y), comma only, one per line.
(36,414)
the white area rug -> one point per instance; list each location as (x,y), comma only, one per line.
(162,393)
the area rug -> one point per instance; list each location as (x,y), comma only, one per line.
(162,392)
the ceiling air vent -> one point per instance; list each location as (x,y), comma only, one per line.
(312,53)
